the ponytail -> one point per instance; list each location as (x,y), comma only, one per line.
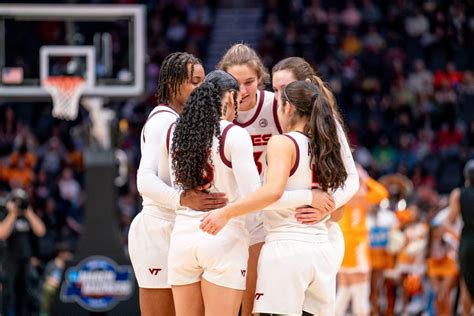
(325,146)
(331,100)
(311,100)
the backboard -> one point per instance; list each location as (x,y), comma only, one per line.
(104,44)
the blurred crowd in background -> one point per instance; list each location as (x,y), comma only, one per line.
(402,72)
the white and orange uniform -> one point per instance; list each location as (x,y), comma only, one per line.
(261,123)
(445,265)
(298,263)
(411,258)
(150,231)
(354,227)
(220,259)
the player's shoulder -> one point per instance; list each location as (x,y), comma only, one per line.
(163,111)
(233,134)
(268,98)
(235,130)
(283,141)
(161,116)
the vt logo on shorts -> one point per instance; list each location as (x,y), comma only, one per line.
(243,272)
(154,271)
(258,295)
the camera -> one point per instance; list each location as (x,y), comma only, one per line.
(19,197)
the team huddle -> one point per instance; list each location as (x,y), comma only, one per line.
(242,190)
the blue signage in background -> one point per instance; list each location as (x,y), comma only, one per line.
(97,284)
(379,237)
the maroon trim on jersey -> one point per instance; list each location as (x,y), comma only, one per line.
(168,106)
(297,161)
(222,144)
(257,112)
(153,114)
(275,116)
(168,137)
(306,135)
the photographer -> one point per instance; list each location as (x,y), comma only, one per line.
(19,228)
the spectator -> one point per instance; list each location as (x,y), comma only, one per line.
(53,274)
(176,34)
(351,16)
(421,80)
(450,77)
(69,188)
(370,12)
(20,167)
(416,24)
(20,227)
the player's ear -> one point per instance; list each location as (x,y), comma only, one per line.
(289,108)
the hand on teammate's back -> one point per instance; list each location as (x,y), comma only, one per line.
(201,200)
(323,205)
(214,221)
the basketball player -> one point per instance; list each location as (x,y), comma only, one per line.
(298,264)
(354,275)
(258,115)
(209,272)
(150,230)
(296,68)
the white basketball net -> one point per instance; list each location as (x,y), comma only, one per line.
(65,92)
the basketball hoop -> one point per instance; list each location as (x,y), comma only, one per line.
(65,92)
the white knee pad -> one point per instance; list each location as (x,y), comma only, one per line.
(343,297)
(360,298)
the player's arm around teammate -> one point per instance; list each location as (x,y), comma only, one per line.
(150,230)
(311,141)
(257,114)
(281,156)
(296,68)
(208,273)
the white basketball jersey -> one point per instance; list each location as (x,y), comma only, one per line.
(301,177)
(234,172)
(261,123)
(154,157)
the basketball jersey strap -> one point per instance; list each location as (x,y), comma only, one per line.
(168,137)
(297,160)
(153,114)
(222,144)
(275,116)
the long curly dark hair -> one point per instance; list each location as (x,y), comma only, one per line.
(311,102)
(196,128)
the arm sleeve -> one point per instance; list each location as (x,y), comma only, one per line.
(243,165)
(350,187)
(292,199)
(239,150)
(148,183)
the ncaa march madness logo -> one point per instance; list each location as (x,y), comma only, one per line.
(97,284)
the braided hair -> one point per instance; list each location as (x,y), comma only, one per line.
(196,128)
(173,73)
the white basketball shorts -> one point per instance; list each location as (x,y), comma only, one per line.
(220,259)
(148,245)
(294,276)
